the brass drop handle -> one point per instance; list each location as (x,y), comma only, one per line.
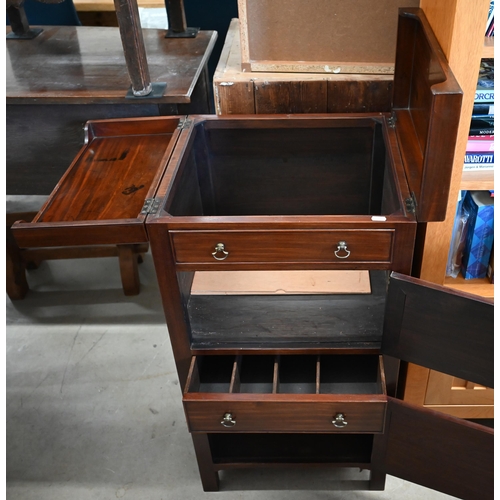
(342,248)
(228,420)
(220,250)
(339,420)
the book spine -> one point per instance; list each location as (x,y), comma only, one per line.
(486,95)
(483,109)
(479,157)
(479,239)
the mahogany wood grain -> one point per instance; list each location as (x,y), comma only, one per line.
(50,98)
(415,310)
(208,474)
(365,247)
(440,452)
(283,413)
(426,89)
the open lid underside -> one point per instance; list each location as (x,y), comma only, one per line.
(426,110)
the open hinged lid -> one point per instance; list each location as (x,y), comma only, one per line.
(106,194)
(425,114)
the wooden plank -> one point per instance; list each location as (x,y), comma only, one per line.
(280,282)
(242,92)
(291,97)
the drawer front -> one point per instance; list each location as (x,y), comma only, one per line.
(235,247)
(262,416)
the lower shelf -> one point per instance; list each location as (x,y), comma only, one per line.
(347,450)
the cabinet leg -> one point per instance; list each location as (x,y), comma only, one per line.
(17,286)
(129,269)
(209,476)
(377,480)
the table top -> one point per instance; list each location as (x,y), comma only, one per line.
(86,64)
(109,5)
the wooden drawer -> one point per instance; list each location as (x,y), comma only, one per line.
(360,246)
(332,393)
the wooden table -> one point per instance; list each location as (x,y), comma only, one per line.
(68,75)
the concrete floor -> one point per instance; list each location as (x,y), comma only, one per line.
(94,406)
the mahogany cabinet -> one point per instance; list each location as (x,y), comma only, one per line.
(298,379)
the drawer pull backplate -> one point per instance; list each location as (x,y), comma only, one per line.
(221,251)
(339,420)
(342,249)
(228,420)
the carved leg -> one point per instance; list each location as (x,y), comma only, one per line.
(129,269)
(209,476)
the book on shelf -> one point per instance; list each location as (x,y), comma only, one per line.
(482,126)
(479,208)
(490,22)
(481,109)
(480,143)
(485,90)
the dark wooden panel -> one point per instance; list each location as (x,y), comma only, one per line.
(427,102)
(359,96)
(439,328)
(291,97)
(293,321)
(438,451)
(234,98)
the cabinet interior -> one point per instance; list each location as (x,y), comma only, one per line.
(287,374)
(237,448)
(286,320)
(306,167)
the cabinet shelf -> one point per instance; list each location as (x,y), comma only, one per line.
(489,47)
(481,286)
(477,180)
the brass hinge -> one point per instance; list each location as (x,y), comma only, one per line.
(184,123)
(391,121)
(151,206)
(411,204)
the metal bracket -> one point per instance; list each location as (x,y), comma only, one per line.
(391,121)
(157,91)
(151,206)
(188,33)
(184,123)
(411,204)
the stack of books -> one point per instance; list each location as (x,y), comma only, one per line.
(480,144)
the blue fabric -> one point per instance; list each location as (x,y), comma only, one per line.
(55,14)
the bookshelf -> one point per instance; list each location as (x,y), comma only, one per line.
(459,26)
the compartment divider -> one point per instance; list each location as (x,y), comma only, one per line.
(276,374)
(318,373)
(381,376)
(234,386)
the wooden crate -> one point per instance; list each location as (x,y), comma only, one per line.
(237,91)
(320,36)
